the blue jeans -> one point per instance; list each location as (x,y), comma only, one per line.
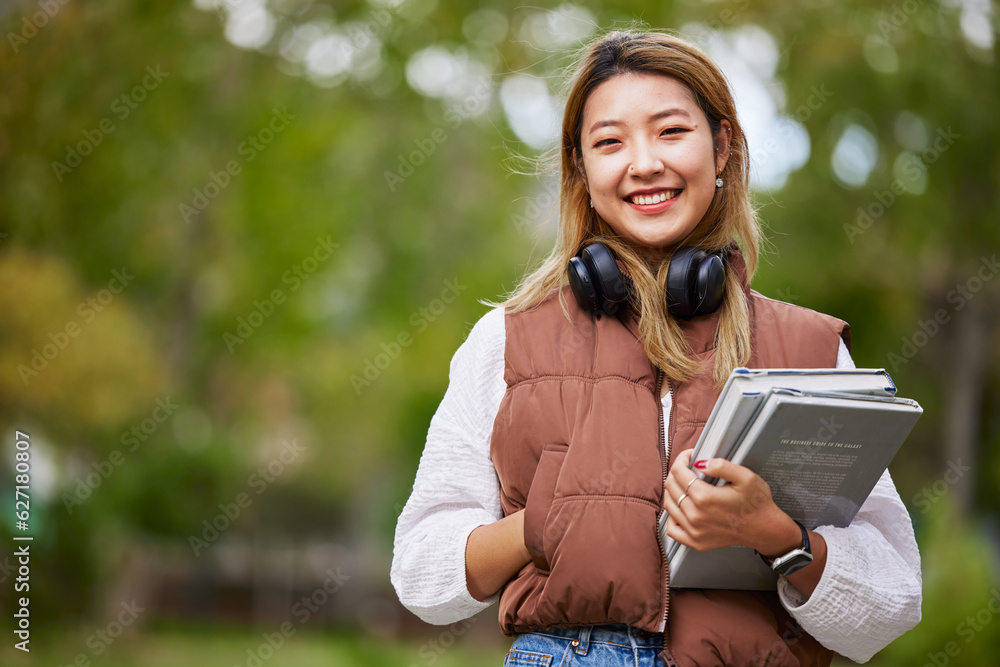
(597,645)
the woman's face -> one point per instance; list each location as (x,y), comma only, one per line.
(649,158)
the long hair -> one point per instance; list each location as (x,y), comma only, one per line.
(730,217)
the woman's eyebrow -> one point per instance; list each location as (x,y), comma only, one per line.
(660,115)
(669,112)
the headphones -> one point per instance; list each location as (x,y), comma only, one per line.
(696,281)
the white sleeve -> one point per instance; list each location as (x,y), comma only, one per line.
(456,487)
(870,591)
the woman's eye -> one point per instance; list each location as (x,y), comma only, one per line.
(675,130)
(605,142)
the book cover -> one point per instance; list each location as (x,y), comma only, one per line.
(821,453)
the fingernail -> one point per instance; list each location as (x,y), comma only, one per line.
(701,465)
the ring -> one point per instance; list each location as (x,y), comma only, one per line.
(680,500)
(689,484)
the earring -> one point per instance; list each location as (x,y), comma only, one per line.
(591,203)
(718,182)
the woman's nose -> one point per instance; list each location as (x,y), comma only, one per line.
(645,162)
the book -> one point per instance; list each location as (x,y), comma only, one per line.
(744,390)
(820,449)
(740,398)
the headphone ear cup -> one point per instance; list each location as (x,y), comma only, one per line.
(711,284)
(582,285)
(607,277)
(696,282)
(679,298)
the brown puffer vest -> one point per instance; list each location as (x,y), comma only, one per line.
(578,442)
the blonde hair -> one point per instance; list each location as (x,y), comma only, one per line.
(730,217)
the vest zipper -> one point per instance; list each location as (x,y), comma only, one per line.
(664,447)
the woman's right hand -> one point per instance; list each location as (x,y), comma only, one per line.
(494,553)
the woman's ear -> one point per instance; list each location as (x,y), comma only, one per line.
(578,161)
(722,144)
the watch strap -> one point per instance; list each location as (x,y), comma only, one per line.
(794,560)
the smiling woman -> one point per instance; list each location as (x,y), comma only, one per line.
(564,439)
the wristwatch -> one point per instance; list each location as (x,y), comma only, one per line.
(794,560)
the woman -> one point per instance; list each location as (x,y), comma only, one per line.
(565,435)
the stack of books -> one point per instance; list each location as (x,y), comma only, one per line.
(820,438)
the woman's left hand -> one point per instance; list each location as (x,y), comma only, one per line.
(742,512)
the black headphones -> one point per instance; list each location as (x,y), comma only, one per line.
(696,281)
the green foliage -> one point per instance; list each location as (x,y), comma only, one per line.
(961,606)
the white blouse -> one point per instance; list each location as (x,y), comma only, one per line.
(869,594)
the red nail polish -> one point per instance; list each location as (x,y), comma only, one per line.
(701,465)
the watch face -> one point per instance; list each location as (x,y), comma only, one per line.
(792,562)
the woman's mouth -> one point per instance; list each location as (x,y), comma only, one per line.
(653,201)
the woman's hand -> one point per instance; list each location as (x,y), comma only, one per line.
(494,553)
(740,513)
(703,516)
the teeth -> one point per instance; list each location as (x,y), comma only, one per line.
(646,200)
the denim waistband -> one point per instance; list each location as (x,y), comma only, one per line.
(618,634)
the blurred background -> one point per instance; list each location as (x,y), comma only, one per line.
(241,239)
